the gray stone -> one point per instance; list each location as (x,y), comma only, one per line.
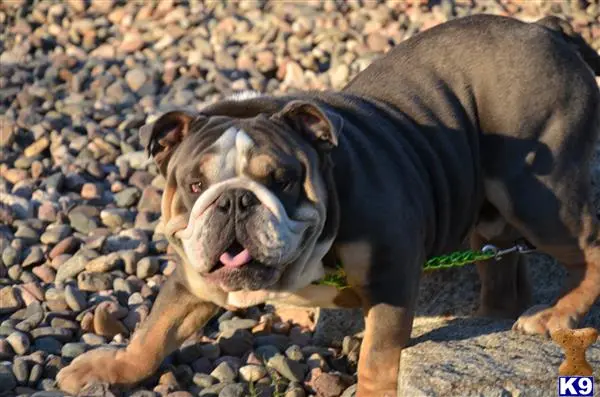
(224,373)
(74,265)
(27,234)
(21,370)
(202,365)
(7,328)
(204,380)
(75,298)
(9,300)
(10,256)
(147,267)
(127,197)
(6,352)
(54,182)
(287,368)
(123,285)
(72,350)
(35,257)
(124,244)
(20,207)
(135,299)
(211,351)
(19,342)
(294,352)
(252,372)
(55,233)
(35,374)
(93,339)
(33,316)
(7,131)
(233,390)
(7,379)
(104,263)
(82,222)
(237,323)
(115,217)
(94,282)
(295,389)
(135,78)
(60,334)
(130,259)
(59,322)
(266,352)
(234,362)
(235,342)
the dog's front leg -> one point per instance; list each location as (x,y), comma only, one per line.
(387,332)
(388,282)
(176,315)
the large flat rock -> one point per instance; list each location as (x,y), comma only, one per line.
(480,357)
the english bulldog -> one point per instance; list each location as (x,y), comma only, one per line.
(481,128)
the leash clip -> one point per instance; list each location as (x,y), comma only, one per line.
(519,247)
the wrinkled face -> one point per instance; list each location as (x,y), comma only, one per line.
(245,202)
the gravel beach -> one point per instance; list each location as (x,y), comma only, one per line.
(82,253)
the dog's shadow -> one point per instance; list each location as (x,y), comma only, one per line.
(460,329)
(451,296)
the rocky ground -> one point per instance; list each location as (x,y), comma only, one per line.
(82,254)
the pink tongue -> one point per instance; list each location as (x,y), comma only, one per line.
(235,261)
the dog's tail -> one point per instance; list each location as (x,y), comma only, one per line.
(589,55)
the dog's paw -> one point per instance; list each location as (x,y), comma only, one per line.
(534,320)
(543,320)
(96,366)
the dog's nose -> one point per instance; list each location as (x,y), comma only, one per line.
(243,200)
(246,200)
(224,203)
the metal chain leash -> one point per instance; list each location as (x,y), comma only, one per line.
(337,278)
(458,259)
(462,258)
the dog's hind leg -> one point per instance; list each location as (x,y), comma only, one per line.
(505,290)
(583,284)
(558,220)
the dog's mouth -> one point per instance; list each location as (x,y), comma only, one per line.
(236,269)
(234,257)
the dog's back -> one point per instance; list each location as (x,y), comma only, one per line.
(562,27)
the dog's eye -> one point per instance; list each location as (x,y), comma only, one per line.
(285,180)
(196,187)
(287,185)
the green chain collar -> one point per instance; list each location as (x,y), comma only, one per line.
(337,278)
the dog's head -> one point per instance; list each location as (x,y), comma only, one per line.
(249,203)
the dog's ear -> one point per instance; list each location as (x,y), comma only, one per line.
(161,137)
(321,126)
